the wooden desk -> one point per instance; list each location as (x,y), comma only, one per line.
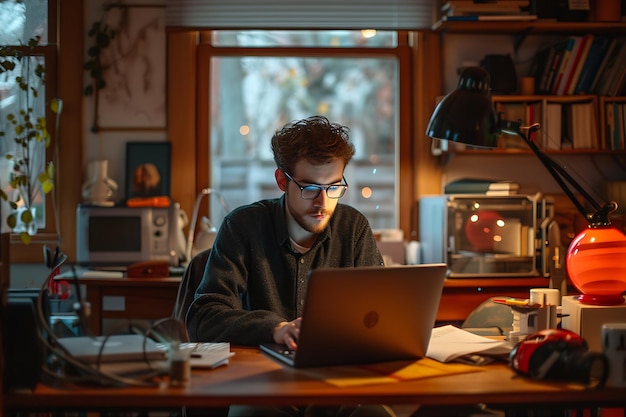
(153,298)
(253,378)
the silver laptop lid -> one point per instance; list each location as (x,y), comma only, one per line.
(369,314)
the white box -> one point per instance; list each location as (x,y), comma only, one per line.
(587,320)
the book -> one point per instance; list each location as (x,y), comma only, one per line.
(503,186)
(596,53)
(499,17)
(566,70)
(584,135)
(554,65)
(543,67)
(563,65)
(552,126)
(614,80)
(478,186)
(451,8)
(578,64)
(608,60)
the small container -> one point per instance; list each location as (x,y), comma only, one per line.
(180,365)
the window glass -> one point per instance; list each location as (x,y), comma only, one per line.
(252,96)
(305,38)
(19,22)
(22,20)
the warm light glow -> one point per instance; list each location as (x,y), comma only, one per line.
(368,33)
(244,130)
(366,192)
(596,265)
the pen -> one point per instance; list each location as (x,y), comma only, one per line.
(512,301)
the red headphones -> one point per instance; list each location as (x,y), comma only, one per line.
(558,354)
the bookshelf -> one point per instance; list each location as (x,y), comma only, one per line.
(592,106)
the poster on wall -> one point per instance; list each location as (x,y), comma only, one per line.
(147,169)
(133,70)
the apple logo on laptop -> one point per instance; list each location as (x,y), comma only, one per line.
(371,319)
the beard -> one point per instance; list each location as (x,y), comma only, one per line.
(306,222)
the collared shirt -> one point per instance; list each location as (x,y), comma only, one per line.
(255,280)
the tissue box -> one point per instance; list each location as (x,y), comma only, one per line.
(587,320)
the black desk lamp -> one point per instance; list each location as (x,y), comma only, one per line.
(596,258)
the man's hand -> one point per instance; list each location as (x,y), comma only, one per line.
(287,333)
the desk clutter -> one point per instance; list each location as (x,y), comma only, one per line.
(58,347)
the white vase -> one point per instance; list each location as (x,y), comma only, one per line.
(99,189)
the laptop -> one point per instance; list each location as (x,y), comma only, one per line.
(117,348)
(365,315)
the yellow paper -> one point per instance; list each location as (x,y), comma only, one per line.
(387,372)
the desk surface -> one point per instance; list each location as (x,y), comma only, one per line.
(253,378)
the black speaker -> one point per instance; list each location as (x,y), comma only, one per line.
(502,73)
(24,352)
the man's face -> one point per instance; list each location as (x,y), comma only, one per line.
(313,215)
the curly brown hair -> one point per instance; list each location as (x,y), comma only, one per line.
(315,139)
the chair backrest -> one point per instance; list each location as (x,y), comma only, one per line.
(188,284)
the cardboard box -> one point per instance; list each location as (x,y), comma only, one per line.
(587,320)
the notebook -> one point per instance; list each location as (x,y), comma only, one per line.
(365,315)
(117,348)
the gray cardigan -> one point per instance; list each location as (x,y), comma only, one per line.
(254,280)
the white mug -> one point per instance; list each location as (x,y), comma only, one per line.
(614,347)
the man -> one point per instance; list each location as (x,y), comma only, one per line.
(253,287)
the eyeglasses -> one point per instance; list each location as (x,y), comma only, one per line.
(312,191)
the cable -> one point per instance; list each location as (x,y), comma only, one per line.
(59,371)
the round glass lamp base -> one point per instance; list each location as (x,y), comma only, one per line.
(595,264)
(601,300)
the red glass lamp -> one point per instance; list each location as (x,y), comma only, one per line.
(596,258)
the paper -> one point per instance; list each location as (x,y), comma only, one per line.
(207,354)
(386,372)
(448,343)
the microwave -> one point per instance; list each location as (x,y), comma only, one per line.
(479,235)
(120,236)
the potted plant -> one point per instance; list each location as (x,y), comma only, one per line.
(24,123)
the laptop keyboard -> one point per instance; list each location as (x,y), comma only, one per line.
(287,353)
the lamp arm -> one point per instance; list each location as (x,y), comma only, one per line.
(194,216)
(561,175)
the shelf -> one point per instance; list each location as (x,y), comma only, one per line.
(518,152)
(538,26)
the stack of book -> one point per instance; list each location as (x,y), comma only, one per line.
(467,10)
(581,64)
(481,186)
(570,126)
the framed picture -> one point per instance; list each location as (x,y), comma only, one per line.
(147,169)
(134,70)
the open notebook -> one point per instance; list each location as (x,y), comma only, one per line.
(366,315)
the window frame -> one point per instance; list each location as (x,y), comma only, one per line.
(201,51)
(50,53)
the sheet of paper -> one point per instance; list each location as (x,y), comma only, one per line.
(386,372)
(448,343)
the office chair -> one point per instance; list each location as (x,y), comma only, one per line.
(191,279)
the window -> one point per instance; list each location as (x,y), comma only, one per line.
(21,21)
(259,80)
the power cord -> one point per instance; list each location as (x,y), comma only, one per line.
(61,363)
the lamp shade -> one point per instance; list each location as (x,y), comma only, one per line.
(467,115)
(596,265)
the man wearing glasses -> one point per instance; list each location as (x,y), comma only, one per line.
(253,287)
